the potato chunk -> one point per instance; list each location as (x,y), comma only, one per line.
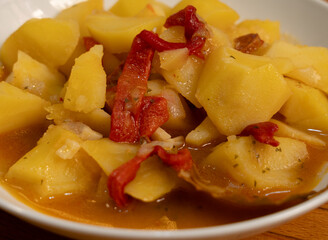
(260,165)
(288,131)
(55,166)
(50,41)
(235,94)
(307,108)
(19,108)
(86,90)
(311,63)
(117,33)
(98,119)
(153,179)
(203,133)
(79,12)
(37,78)
(214,12)
(269,31)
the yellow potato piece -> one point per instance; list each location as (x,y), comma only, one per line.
(307,107)
(260,165)
(269,31)
(47,174)
(117,33)
(128,8)
(288,131)
(235,95)
(80,11)
(213,12)
(37,78)
(98,119)
(50,41)
(310,63)
(20,108)
(203,133)
(86,90)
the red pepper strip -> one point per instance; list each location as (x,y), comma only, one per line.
(131,87)
(124,174)
(154,114)
(187,18)
(89,42)
(159,44)
(195,31)
(195,46)
(262,132)
(192,23)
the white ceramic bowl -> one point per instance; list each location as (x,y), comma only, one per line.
(304,19)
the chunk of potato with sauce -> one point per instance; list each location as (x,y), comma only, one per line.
(80,11)
(117,33)
(86,90)
(237,93)
(55,166)
(37,78)
(50,41)
(20,108)
(307,107)
(310,63)
(260,165)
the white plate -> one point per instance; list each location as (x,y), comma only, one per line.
(304,19)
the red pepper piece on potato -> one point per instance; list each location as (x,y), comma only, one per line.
(124,174)
(262,132)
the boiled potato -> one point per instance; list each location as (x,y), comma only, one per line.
(213,12)
(311,63)
(117,33)
(185,78)
(205,132)
(50,41)
(55,166)
(235,95)
(154,8)
(306,108)
(19,108)
(86,89)
(98,119)
(80,11)
(128,8)
(285,130)
(37,78)
(269,31)
(259,165)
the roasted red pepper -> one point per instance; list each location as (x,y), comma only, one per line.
(262,132)
(121,176)
(131,88)
(195,31)
(154,113)
(89,42)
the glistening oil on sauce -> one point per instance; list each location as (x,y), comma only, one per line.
(184,206)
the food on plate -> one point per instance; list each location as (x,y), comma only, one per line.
(147,116)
